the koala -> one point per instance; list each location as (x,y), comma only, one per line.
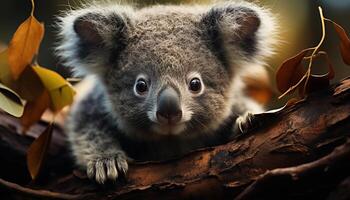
(162,80)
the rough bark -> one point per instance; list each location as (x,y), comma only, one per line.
(301,151)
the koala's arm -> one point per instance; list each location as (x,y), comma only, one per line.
(92,134)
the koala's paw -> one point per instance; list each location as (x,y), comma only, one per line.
(245,123)
(107,167)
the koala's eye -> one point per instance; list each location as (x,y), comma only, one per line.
(195,85)
(141,86)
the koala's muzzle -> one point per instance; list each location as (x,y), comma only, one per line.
(168,106)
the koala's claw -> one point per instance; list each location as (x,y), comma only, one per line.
(245,123)
(107,168)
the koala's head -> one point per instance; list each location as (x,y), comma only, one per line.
(168,70)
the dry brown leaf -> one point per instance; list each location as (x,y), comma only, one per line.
(37,152)
(25,45)
(29,86)
(344,42)
(33,110)
(319,82)
(291,71)
(315,83)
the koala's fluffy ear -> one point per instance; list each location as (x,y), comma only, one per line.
(91,38)
(240,32)
(87,28)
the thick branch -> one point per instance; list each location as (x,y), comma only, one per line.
(299,134)
(268,181)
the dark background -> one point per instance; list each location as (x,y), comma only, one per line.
(299,21)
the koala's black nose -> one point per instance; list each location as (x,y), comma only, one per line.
(168,108)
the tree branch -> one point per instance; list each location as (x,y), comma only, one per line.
(306,132)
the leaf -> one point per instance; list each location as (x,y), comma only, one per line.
(50,79)
(10,102)
(61,92)
(61,97)
(28,86)
(37,152)
(315,83)
(5,73)
(25,45)
(34,110)
(319,82)
(291,71)
(344,42)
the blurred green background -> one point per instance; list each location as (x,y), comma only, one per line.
(299,21)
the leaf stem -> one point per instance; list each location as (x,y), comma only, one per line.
(315,56)
(300,81)
(293,87)
(33,8)
(74,80)
(328,20)
(308,73)
(311,57)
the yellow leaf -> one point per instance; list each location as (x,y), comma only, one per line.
(34,110)
(10,102)
(37,152)
(50,79)
(61,97)
(61,92)
(25,45)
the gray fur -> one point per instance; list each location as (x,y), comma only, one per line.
(167,45)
